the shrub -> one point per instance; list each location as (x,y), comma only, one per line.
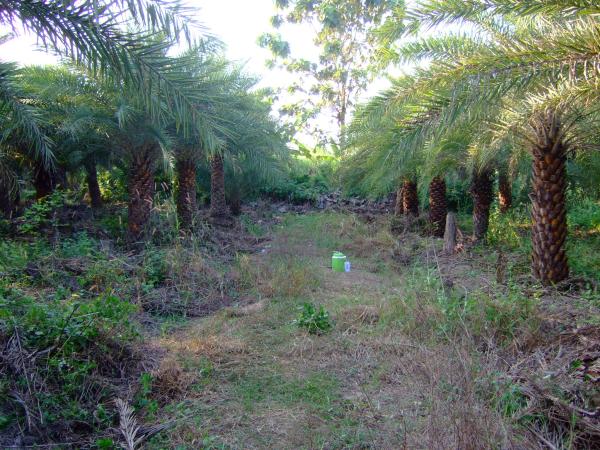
(314,320)
(40,213)
(56,352)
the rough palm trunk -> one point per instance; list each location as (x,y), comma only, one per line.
(482,192)
(549,213)
(504,192)
(44,181)
(438,207)
(218,206)
(410,198)
(93,186)
(141,192)
(7,205)
(399,206)
(186,193)
(235,201)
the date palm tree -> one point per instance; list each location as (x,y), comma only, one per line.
(255,150)
(93,33)
(510,61)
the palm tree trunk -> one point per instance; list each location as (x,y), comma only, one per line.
(141,192)
(410,198)
(399,206)
(44,181)
(7,205)
(482,192)
(504,192)
(93,187)
(549,212)
(218,206)
(438,207)
(235,200)
(186,193)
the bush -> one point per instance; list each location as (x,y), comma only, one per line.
(315,320)
(40,213)
(55,354)
(306,183)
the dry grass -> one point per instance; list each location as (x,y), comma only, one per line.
(426,352)
(194,343)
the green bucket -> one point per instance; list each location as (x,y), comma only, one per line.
(337,262)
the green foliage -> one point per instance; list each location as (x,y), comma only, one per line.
(113,184)
(430,311)
(314,320)
(41,213)
(73,337)
(307,180)
(155,267)
(255,229)
(584,214)
(509,399)
(80,245)
(71,324)
(15,255)
(509,231)
(143,398)
(105,444)
(348,58)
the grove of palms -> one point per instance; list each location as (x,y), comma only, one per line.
(166,278)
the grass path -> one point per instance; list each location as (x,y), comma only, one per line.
(263,383)
(401,368)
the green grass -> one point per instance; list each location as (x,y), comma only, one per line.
(287,388)
(317,391)
(325,229)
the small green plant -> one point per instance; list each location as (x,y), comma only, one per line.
(105,444)
(72,336)
(255,229)
(155,268)
(510,399)
(142,399)
(41,212)
(315,320)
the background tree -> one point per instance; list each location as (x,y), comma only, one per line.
(348,59)
(511,62)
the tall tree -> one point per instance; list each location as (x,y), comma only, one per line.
(93,33)
(438,208)
(549,212)
(347,37)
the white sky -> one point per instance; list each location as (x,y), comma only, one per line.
(238,23)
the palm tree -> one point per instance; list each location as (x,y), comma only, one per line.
(93,34)
(482,191)
(399,204)
(410,197)
(214,78)
(438,208)
(511,61)
(504,190)
(255,144)
(185,167)
(549,211)
(218,206)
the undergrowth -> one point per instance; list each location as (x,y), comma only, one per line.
(445,340)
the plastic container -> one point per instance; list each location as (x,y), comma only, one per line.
(338,262)
(347,266)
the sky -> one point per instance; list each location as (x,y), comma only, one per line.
(238,23)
